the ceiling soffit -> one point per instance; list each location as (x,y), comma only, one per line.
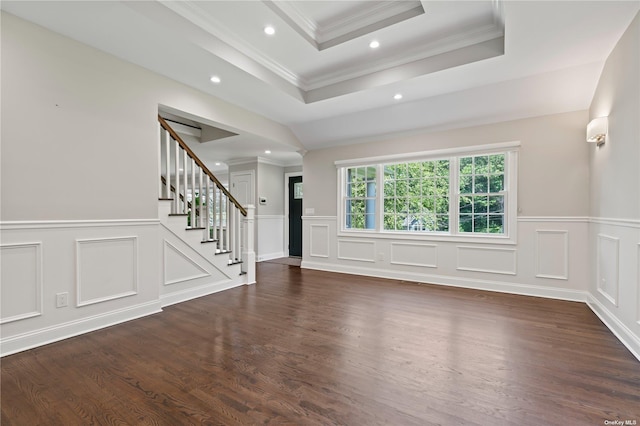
(479,38)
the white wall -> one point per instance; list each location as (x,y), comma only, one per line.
(554,168)
(615,193)
(270,216)
(73,114)
(79,183)
(553,198)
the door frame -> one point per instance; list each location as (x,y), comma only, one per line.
(286,209)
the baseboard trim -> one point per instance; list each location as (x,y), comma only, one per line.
(200,291)
(269,256)
(621,331)
(45,336)
(476,284)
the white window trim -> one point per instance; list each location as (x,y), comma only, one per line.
(511,183)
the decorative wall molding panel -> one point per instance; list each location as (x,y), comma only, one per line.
(552,254)
(179,267)
(22,282)
(107,269)
(318,240)
(361,251)
(489,260)
(414,254)
(608,261)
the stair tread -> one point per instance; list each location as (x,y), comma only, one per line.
(165,199)
(194,229)
(209,241)
(178,214)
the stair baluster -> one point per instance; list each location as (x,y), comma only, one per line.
(211,208)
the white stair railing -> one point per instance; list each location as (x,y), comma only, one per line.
(203,200)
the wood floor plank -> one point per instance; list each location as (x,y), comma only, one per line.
(306,347)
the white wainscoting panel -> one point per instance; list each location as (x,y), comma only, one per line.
(107,269)
(414,254)
(362,251)
(487,259)
(552,254)
(21,278)
(179,267)
(318,240)
(608,260)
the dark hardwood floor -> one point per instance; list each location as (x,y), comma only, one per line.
(312,348)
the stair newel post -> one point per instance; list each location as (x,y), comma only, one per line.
(202,197)
(213,212)
(167,163)
(231,230)
(229,219)
(248,253)
(209,203)
(220,229)
(176,196)
(237,234)
(192,176)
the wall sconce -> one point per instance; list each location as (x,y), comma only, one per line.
(597,130)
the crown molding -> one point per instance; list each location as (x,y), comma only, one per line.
(369,17)
(216,28)
(471,37)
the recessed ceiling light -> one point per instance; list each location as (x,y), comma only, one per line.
(217,164)
(267,152)
(269,30)
(374,44)
(215,79)
(397,96)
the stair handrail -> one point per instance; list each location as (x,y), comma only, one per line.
(204,168)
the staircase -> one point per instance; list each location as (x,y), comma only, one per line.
(208,235)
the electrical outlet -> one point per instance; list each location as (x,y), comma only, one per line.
(62,300)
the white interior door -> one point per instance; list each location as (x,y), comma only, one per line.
(242,187)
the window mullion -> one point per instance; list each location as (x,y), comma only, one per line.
(379,197)
(454,195)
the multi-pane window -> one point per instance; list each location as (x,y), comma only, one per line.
(416,196)
(481,201)
(466,193)
(360,200)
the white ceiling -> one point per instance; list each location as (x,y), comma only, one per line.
(457,63)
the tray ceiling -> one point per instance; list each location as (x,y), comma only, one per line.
(456,63)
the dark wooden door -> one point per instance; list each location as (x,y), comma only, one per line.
(295,216)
